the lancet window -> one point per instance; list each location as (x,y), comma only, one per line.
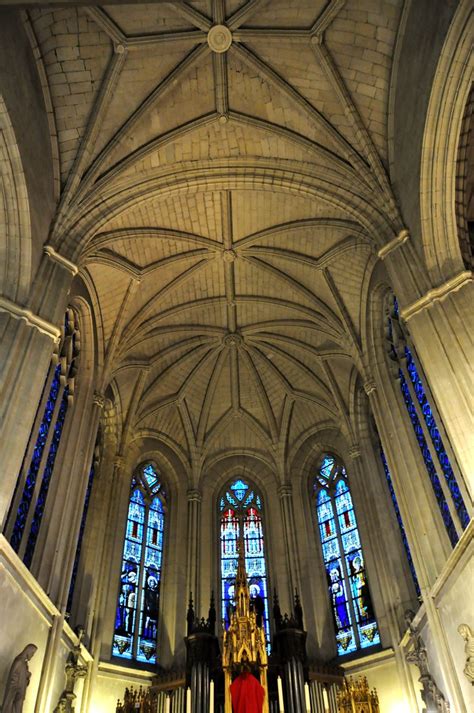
(438,463)
(241,506)
(35,477)
(351,603)
(136,619)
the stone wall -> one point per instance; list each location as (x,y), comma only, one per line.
(29,616)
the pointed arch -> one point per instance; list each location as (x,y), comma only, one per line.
(351,603)
(136,619)
(240,504)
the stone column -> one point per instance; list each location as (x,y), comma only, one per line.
(63,532)
(194,544)
(440,321)
(28,334)
(428,541)
(441,325)
(103,577)
(382,571)
(25,355)
(285,493)
(418,508)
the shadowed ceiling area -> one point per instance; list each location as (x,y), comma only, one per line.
(224,192)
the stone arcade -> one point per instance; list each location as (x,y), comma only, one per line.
(236,307)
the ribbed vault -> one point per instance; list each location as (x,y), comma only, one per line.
(224,193)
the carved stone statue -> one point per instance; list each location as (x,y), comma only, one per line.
(432,697)
(466,633)
(18,680)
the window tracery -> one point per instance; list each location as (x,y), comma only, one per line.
(136,620)
(437,462)
(351,603)
(241,505)
(34,480)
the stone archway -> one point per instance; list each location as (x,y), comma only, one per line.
(15,248)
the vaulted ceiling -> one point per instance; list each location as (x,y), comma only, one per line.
(221,168)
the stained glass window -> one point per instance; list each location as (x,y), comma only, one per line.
(34,480)
(351,603)
(437,462)
(136,620)
(242,506)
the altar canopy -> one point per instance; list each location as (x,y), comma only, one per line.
(247,694)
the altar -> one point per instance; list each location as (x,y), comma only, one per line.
(234,672)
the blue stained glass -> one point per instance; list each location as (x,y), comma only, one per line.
(82,528)
(350,541)
(232,513)
(248,499)
(326,467)
(151,478)
(32,474)
(437,440)
(136,621)
(46,480)
(341,535)
(430,466)
(331,550)
(239,488)
(400,522)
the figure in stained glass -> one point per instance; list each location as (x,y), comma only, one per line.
(360,589)
(354,617)
(241,505)
(136,622)
(338,597)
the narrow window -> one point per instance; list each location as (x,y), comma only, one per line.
(353,613)
(34,480)
(438,465)
(241,506)
(136,620)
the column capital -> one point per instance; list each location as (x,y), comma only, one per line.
(285,490)
(98,399)
(194,495)
(354,451)
(370,387)
(119,462)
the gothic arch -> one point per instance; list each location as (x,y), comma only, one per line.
(449,95)
(90,216)
(15,225)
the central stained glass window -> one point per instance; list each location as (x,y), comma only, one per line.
(241,506)
(353,613)
(136,619)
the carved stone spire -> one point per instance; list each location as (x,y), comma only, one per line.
(242,589)
(190,614)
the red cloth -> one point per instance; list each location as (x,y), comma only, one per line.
(247,694)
